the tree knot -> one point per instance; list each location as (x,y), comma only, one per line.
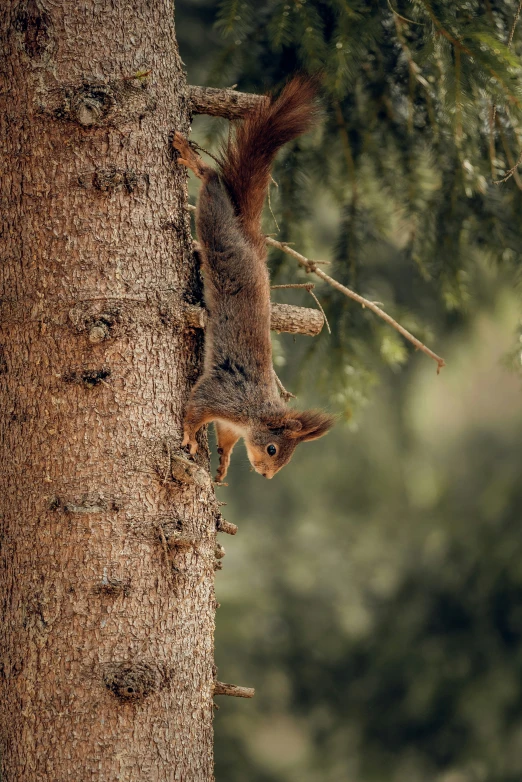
(132,681)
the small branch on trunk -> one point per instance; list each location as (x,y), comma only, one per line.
(311,267)
(222,103)
(308,286)
(226,526)
(284,317)
(221,688)
(296,320)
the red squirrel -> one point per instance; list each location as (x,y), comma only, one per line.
(238,390)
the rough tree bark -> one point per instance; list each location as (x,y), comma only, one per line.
(108,561)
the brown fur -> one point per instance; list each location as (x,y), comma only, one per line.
(237,389)
(248,156)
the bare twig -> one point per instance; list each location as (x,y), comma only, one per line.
(222,688)
(513,172)
(308,286)
(312,294)
(510,173)
(311,266)
(270,203)
(286,395)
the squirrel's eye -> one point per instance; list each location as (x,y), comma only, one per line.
(271,450)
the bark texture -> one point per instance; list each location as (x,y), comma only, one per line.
(107,544)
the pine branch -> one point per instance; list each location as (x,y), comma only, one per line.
(458,44)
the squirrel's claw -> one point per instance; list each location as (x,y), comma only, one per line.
(191,443)
(223,467)
(188,157)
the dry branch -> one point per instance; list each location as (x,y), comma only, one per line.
(222,688)
(285,317)
(221,103)
(226,526)
(311,267)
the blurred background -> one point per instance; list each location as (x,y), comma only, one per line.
(373,593)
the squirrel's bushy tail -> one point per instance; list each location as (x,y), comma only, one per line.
(247,158)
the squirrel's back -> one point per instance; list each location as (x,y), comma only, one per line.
(248,156)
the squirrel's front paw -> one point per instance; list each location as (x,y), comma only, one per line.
(191,443)
(222,470)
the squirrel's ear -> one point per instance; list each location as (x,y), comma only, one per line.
(312,424)
(293,425)
(276,425)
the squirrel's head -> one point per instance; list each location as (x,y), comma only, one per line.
(271,445)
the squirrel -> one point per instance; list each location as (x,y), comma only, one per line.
(238,389)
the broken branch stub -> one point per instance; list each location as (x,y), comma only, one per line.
(284,317)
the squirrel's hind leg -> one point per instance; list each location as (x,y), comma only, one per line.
(188,157)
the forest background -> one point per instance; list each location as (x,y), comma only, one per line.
(373,595)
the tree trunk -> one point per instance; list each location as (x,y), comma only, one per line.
(107,551)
